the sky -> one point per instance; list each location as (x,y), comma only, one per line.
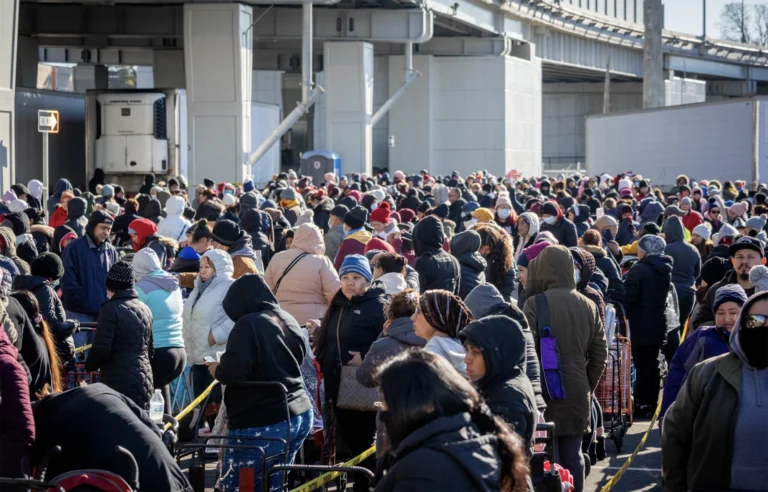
(686,15)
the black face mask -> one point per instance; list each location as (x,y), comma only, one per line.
(754,344)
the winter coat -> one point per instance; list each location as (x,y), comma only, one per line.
(42,235)
(645,302)
(448,453)
(626,232)
(17,424)
(576,325)
(160,291)
(204,314)
(83,286)
(76,219)
(686,265)
(322,214)
(153,211)
(187,261)
(174,225)
(587,271)
(266,344)
(505,387)
(352,244)
(398,337)
(112,420)
(354,323)
(650,212)
(581,221)
(59,217)
(436,268)
(702,440)
(9,251)
(243,256)
(307,289)
(251,222)
(692,219)
(123,348)
(605,263)
(32,348)
(508,283)
(704,315)
(62,185)
(120,227)
(563,230)
(332,240)
(464,247)
(702,344)
(53,313)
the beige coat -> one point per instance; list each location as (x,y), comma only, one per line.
(308,288)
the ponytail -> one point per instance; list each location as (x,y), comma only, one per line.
(56,379)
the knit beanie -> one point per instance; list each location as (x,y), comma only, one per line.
(549,208)
(714,269)
(758,276)
(483,214)
(531,252)
(120,277)
(107,191)
(653,228)
(379,244)
(731,293)
(703,231)
(356,218)
(382,213)
(18,222)
(356,264)
(756,223)
(47,265)
(339,211)
(226,232)
(99,217)
(445,312)
(652,245)
(442,211)
(248,186)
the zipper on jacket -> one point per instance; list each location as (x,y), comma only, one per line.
(338,336)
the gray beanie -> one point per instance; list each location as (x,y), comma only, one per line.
(484,300)
(758,276)
(756,223)
(652,245)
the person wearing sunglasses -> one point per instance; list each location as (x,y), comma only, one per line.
(715,434)
(714,216)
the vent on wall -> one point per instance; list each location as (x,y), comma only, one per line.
(161,132)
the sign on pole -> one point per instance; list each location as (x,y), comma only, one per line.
(48,121)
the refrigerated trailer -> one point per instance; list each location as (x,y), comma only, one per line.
(718,140)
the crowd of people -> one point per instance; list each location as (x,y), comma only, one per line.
(441,317)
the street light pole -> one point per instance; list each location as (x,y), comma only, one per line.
(743,27)
(704,21)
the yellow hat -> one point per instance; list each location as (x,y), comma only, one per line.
(483,215)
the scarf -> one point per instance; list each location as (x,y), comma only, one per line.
(201,288)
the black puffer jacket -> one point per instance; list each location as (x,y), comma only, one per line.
(604,263)
(251,222)
(505,387)
(436,268)
(123,347)
(448,453)
(647,286)
(323,214)
(464,247)
(564,231)
(356,323)
(76,219)
(53,313)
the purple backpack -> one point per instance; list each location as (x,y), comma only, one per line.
(549,355)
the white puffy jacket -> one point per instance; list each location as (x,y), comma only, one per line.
(207,315)
(174,225)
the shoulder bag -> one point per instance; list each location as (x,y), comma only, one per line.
(549,354)
(353,395)
(288,269)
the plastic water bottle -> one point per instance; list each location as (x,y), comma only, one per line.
(157,407)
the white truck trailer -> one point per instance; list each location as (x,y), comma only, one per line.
(718,140)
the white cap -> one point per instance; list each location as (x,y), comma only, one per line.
(703,231)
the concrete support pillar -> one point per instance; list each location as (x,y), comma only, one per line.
(144,77)
(218,59)
(9,17)
(653,58)
(349,104)
(26,62)
(91,77)
(168,69)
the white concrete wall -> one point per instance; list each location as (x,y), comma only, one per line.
(679,91)
(168,69)
(8,30)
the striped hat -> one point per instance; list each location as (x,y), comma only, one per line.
(356,264)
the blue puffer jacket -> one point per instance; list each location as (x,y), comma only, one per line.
(160,291)
(86,265)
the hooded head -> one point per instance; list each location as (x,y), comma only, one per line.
(153,208)
(62,185)
(174,207)
(309,239)
(36,188)
(484,300)
(545,272)
(501,341)
(673,230)
(428,235)
(749,336)
(586,263)
(76,208)
(533,223)
(249,294)
(222,263)
(143,228)
(467,242)
(250,220)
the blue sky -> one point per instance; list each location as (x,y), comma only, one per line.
(686,15)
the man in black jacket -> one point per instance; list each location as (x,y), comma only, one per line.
(436,268)
(109,420)
(552,220)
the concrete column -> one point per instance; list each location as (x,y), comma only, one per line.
(218,59)
(349,104)
(653,58)
(168,69)
(91,77)
(9,17)
(26,62)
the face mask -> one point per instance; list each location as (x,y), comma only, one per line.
(503,213)
(577,276)
(229,192)
(753,343)
(469,223)
(549,220)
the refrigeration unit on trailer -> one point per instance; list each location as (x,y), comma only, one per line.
(130,134)
(718,140)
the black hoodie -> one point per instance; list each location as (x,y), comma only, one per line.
(251,223)
(153,211)
(645,300)
(76,219)
(436,268)
(266,344)
(323,214)
(464,247)
(505,387)
(149,183)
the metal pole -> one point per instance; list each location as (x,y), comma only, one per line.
(755,144)
(45,166)
(408,61)
(704,21)
(743,27)
(306,52)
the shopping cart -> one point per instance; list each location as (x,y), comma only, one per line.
(614,391)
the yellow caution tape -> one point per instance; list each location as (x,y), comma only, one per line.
(327,477)
(194,403)
(632,457)
(83,348)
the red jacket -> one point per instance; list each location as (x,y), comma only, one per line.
(691,220)
(17,423)
(354,244)
(59,217)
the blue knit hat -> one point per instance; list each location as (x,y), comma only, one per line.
(356,264)
(248,186)
(729,293)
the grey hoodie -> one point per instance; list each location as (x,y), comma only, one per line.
(687,262)
(750,452)
(399,337)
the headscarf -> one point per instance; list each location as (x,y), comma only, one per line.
(445,312)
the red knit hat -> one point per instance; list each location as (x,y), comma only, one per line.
(379,244)
(381,214)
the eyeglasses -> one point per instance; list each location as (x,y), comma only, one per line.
(714,212)
(756,321)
